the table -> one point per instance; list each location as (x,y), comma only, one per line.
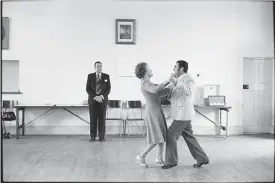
(65,107)
(22,108)
(220,108)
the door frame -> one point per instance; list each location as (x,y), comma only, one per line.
(241,86)
(273,97)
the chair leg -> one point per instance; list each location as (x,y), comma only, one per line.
(144,128)
(9,130)
(128,128)
(137,127)
(125,126)
(120,129)
(121,121)
(3,122)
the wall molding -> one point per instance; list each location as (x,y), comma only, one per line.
(258,129)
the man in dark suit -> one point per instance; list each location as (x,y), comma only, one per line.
(98,88)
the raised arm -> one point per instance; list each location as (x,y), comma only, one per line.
(152,88)
(164,92)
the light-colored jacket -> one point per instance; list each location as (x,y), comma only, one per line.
(182,107)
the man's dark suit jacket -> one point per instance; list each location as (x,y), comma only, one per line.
(105,87)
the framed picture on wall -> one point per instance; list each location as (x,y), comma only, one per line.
(125,31)
(5,33)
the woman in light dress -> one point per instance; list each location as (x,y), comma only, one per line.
(154,117)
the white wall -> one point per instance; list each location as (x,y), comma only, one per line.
(10,80)
(57,43)
(1,90)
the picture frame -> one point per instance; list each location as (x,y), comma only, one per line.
(5,33)
(125,31)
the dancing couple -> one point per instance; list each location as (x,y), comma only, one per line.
(179,89)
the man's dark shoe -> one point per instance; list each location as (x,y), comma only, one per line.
(92,139)
(198,165)
(102,139)
(167,166)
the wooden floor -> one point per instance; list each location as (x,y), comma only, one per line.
(74,158)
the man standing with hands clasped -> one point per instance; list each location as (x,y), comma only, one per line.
(98,88)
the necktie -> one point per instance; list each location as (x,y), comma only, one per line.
(98,84)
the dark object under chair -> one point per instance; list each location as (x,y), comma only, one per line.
(7,115)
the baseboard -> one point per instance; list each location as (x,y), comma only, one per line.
(258,129)
(212,130)
(62,130)
(114,130)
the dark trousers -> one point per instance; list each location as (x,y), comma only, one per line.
(97,119)
(183,128)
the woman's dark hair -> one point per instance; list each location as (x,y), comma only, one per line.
(141,70)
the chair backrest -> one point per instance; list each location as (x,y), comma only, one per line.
(8,104)
(134,104)
(115,103)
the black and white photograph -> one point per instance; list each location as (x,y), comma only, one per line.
(137,90)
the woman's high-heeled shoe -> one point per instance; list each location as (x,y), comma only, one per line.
(141,161)
(160,162)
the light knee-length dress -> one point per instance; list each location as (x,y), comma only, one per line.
(154,117)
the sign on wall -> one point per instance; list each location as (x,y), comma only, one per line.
(5,33)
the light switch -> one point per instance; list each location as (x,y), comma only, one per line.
(245,87)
